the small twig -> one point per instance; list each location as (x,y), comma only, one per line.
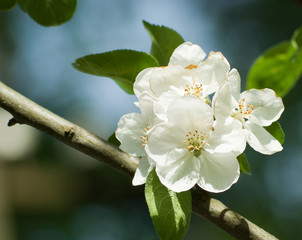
(12,122)
(30,113)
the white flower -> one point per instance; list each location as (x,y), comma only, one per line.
(132,132)
(191,148)
(185,55)
(253,109)
(186,74)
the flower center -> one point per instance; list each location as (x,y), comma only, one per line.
(243,111)
(144,136)
(196,90)
(196,141)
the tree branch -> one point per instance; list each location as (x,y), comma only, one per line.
(25,111)
(231,222)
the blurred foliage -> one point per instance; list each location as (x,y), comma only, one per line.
(278,68)
(44,12)
(7,4)
(96,203)
(244,29)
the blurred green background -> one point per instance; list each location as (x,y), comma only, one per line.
(50,191)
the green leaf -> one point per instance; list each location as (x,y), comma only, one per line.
(244,164)
(7,4)
(49,12)
(297,37)
(164,42)
(170,211)
(120,65)
(276,131)
(112,139)
(278,68)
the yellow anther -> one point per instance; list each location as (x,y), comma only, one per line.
(144,136)
(192,66)
(195,141)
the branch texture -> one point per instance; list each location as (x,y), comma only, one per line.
(25,111)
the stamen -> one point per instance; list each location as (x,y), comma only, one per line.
(195,90)
(196,142)
(144,136)
(243,111)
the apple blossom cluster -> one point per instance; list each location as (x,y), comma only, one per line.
(194,122)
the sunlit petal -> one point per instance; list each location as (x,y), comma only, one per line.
(261,140)
(187,54)
(218,172)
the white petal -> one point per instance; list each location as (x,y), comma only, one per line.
(141,83)
(268,107)
(163,139)
(146,103)
(190,113)
(169,78)
(187,54)
(213,71)
(218,171)
(227,137)
(205,75)
(161,106)
(129,132)
(182,173)
(235,82)
(136,104)
(160,110)
(142,171)
(223,102)
(261,140)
